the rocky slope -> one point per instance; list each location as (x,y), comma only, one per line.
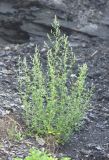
(20,20)
(87,24)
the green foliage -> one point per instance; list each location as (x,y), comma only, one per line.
(39,155)
(51,105)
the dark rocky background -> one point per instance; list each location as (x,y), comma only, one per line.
(23,24)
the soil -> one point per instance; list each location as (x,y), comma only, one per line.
(23,24)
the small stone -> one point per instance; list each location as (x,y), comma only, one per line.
(99,148)
(2,112)
(107,155)
(7,48)
(31,44)
(43,50)
(73,76)
(7,112)
(16,47)
(85,152)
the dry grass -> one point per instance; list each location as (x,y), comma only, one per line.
(7,123)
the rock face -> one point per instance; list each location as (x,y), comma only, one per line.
(87,24)
(20,20)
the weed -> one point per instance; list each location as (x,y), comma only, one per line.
(54,104)
(39,155)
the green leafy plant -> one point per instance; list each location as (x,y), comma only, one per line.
(54,98)
(39,155)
